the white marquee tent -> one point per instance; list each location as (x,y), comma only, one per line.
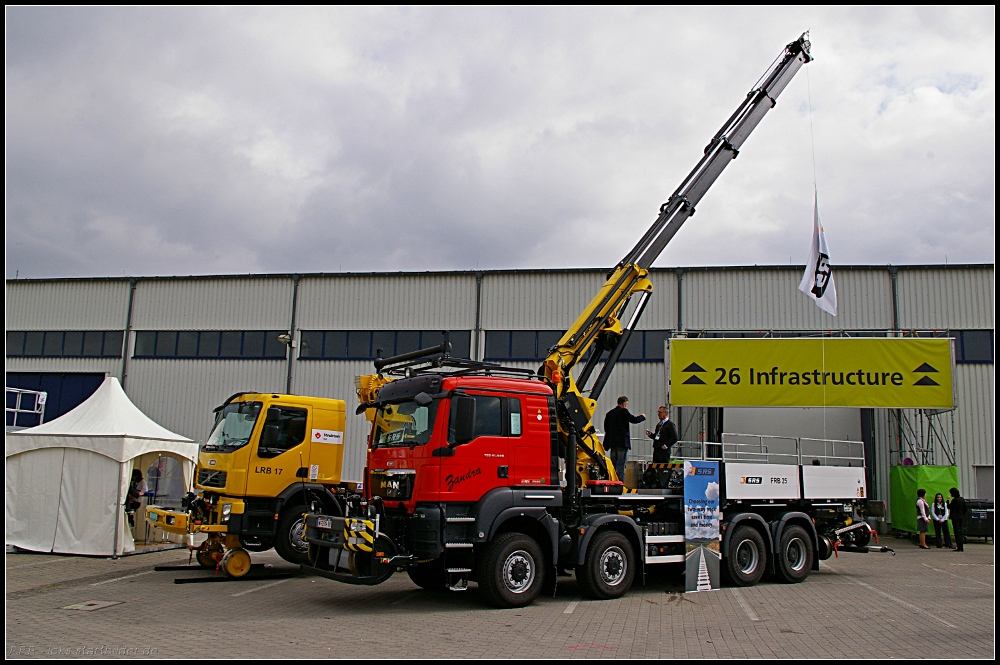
(66,480)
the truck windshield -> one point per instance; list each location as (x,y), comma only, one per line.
(233,427)
(404,424)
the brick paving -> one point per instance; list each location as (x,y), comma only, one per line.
(918,604)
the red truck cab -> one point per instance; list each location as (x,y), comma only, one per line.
(414,456)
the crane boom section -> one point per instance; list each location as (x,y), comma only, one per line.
(599,327)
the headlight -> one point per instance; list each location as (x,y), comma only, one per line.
(226,509)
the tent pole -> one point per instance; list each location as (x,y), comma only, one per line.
(118,511)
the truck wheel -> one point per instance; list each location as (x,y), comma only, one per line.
(288,540)
(795,555)
(236,562)
(609,567)
(429,576)
(511,571)
(747,557)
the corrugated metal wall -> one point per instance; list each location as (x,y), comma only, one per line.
(180,394)
(387,302)
(108,366)
(769,299)
(940,298)
(326,378)
(553,300)
(244,303)
(68,304)
(974,422)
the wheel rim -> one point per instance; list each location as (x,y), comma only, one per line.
(236,563)
(518,572)
(795,554)
(614,566)
(747,557)
(295,536)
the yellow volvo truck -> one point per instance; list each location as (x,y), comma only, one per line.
(269,459)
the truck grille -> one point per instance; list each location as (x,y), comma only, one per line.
(211,478)
(394,484)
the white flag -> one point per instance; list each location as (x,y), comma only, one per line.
(817,282)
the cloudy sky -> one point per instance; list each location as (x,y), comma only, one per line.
(200,141)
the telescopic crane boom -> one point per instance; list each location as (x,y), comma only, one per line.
(600,325)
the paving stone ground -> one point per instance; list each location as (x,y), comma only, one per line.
(917,604)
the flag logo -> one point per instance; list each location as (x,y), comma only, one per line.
(817,281)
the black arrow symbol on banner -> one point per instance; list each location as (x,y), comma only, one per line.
(694,380)
(693,367)
(925,368)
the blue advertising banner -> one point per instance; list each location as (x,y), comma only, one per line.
(703,552)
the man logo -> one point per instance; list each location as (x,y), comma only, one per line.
(751,480)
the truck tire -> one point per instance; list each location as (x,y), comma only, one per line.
(747,558)
(609,567)
(511,573)
(795,555)
(429,576)
(287,541)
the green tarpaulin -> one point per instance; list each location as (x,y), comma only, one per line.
(904,481)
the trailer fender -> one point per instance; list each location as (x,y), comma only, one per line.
(802,520)
(591,525)
(762,526)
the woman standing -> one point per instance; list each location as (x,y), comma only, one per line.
(923,517)
(940,514)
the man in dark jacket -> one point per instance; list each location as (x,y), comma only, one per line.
(664,436)
(616,434)
(957,508)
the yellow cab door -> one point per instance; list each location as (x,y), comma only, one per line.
(280,451)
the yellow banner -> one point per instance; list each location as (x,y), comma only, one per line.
(835,372)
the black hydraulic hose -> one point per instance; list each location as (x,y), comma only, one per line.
(571,467)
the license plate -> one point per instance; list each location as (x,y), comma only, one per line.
(324,523)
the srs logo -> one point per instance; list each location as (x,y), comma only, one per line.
(751,480)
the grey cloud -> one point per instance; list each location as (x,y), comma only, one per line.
(178,141)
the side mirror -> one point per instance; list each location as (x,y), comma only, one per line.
(423,399)
(269,436)
(273,415)
(464,419)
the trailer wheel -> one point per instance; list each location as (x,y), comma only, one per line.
(795,555)
(747,557)
(429,576)
(512,574)
(288,542)
(609,567)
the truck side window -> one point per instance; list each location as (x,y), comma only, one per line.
(489,421)
(514,405)
(285,433)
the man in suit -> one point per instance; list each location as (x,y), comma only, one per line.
(958,509)
(616,434)
(664,436)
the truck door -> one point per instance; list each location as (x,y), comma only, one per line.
(530,441)
(280,451)
(483,463)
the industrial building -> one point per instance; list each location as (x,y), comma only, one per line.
(181,345)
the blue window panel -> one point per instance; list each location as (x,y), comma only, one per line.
(253,344)
(359,344)
(15,344)
(113,343)
(497,344)
(230,343)
(461,344)
(53,344)
(976,346)
(166,344)
(93,344)
(208,344)
(522,344)
(335,344)
(274,349)
(407,341)
(73,343)
(311,344)
(187,344)
(385,340)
